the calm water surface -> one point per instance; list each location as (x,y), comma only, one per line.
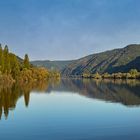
(71,109)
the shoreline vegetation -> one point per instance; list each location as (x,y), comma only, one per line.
(132,74)
(14,69)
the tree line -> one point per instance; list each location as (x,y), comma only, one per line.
(132,74)
(12,68)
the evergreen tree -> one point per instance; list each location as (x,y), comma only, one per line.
(26,62)
(15,68)
(6,60)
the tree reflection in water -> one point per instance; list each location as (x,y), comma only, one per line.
(125,92)
(9,94)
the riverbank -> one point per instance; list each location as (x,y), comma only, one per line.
(132,74)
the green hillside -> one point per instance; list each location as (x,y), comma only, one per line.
(117,60)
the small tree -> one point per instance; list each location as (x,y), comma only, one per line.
(106,75)
(6,68)
(15,68)
(128,75)
(97,76)
(133,73)
(26,62)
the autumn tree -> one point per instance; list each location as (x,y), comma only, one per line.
(133,73)
(26,62)
(6,60)
(106,75)
(15,68)
(97,75)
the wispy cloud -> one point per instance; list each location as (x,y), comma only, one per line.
(60,29)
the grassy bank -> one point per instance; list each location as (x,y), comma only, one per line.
(132,74)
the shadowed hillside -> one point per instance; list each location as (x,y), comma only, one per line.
(117,60)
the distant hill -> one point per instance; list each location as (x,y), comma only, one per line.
(117,60)
(52,65)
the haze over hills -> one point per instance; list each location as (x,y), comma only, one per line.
(52,65)
(117,60)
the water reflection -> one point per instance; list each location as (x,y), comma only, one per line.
(124,92)
(9,94)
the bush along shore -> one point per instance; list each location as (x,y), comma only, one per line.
(14,69)
(132,74)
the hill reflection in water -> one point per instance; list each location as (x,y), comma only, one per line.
(119,91)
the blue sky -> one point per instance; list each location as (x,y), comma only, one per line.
(68,29)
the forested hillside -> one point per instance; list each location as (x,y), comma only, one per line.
(13,68)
